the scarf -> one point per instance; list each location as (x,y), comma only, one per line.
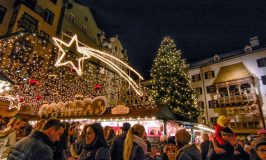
(139,141)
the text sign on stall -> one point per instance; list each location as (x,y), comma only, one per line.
(120,109)
(154,140)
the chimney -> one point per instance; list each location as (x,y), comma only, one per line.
(254,41)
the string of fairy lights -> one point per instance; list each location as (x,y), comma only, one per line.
(171,84)
(28,60)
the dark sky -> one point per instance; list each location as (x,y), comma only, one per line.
(201,28)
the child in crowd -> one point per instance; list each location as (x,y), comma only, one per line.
(222,122)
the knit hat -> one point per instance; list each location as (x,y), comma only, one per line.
(260,141)
(126,126)
(262,131)
(222,120)
(171,140)
(183,136)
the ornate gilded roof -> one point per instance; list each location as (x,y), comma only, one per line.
(232,72)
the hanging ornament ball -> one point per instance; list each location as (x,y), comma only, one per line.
(97,86)
(21,99)
(72,70)
(33,82)
(38,97)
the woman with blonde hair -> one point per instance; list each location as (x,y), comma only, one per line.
(135,148)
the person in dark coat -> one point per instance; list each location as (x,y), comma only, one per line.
(117,146)
(135,148)
(229,154)
(186,151)
(79,144)
(169,148)
(94,143)
(37,146)
(205,146)
(59,147)
(240,153)
(110,137)
(260,148)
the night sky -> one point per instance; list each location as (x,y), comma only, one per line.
(201,28)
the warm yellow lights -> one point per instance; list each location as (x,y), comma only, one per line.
(89,52)
(59,62)
(13,101)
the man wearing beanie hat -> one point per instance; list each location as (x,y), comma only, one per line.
(117,147)
(186,151)
(169,148)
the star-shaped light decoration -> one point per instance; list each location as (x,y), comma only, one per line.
(106,58)
(14,104)
(60,62)
(13,101)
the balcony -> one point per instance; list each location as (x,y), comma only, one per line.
(243,124)
(249,97)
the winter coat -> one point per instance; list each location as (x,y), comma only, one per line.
(189,152)
(243,154)
(139,149)
(217,134)
(137,153)
(253,155)
(37,146)
(204,149)
(93,152)
(89,151)
(117,147)
(78,146)
(228,155)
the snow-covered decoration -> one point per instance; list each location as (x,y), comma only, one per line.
(88,106)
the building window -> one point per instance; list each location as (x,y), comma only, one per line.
(263,78)
(200,104)
(209,75)
(27,22)
(69,32)
(213,104)
(199,90)
(54,1)
(2,13)
(196,78)
(211,89)
(84,29)
(72,17)
(48,16)
(261,62)
(44,35)
(245,88)
(223,92)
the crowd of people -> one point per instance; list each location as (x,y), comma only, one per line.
(55,140)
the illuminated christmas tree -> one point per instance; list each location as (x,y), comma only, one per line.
(171,84)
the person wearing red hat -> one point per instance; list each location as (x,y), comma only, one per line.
(262,132)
